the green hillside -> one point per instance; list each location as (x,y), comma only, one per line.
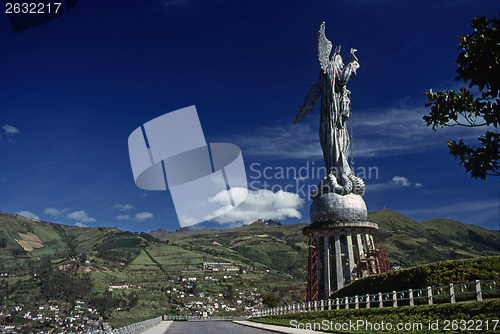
(277,248)
(162,272)
(258,245)
(410,243)
(19,234)
(433,274)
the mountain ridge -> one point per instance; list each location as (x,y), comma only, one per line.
(276,246)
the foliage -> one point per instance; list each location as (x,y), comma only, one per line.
(478,65)
(148,237)
(477,311)
(270,299)
(65,285)
(107,302)
(434,274)
(115,255)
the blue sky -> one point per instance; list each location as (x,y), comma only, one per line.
(73,89)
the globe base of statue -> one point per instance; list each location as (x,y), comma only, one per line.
(332,207)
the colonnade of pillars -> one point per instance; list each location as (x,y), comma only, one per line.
(340,263)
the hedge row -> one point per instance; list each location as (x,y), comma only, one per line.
(444,318)
(434,274)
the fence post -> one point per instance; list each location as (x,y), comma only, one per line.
(322,305)
(380,301)
(346,303)
(367,300)
(429,295)
(329,304)
(479,293)
(356,302)
(337,303)
(410,297)
(394,299)
(452,294)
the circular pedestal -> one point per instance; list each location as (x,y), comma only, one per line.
(333,207)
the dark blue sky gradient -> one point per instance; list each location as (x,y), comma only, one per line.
(77,86)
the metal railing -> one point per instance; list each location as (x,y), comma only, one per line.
(440,294)
(136,328)
(200,317)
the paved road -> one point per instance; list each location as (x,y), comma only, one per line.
(211,327)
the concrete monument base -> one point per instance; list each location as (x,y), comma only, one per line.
(342,239)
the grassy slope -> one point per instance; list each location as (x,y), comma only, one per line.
(434,274)
(411,243)
(259,245)
(278,248)
(408,242)
(59,241)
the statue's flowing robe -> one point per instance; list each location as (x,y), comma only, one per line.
(335,109)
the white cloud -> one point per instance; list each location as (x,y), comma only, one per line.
(281,141)
(10,130)
(376,132)
(55,212)
(27,214)
(123,217)
(80,216)
(395,182)
(123,207)
(400,181)
(80,224)
(263,204)
(141,216)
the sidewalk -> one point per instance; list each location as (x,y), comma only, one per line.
(276,329)
(161,328)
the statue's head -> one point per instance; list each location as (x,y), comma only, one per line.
(336,58)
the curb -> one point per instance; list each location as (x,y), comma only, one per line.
(274,328)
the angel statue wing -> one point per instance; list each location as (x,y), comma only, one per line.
(309,102)
(324,48)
